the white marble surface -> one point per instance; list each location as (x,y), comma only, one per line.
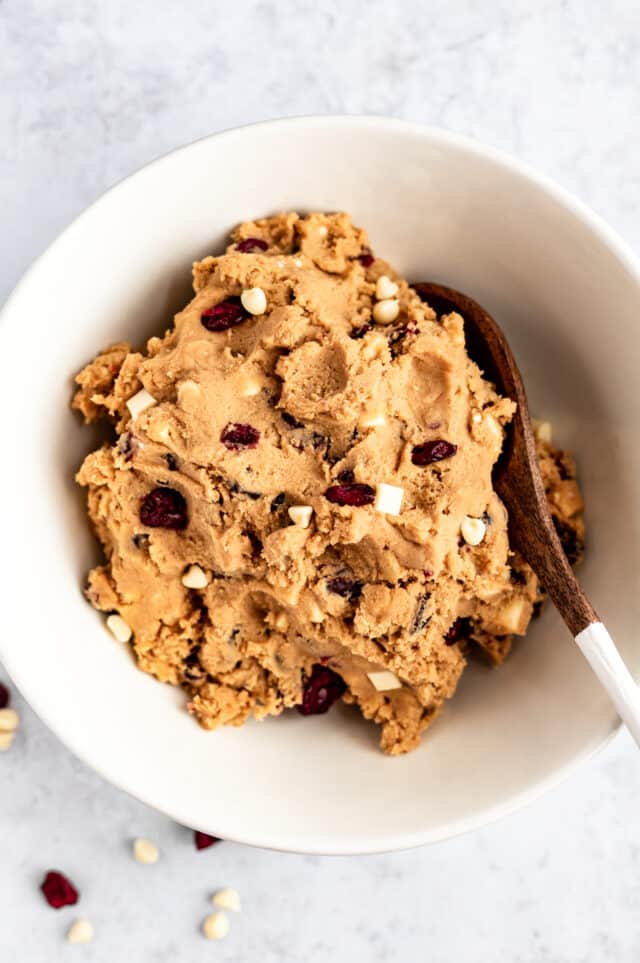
(92,89)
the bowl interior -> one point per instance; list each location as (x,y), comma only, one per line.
(440,208)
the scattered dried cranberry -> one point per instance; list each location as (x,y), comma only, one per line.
(348,588)
(225,315)
(290,420)
(457,630)
(237,437)
(359,332)
(432,451)
(170,459)
(4,696)
(251,244)
(164,508)
(323,688)
(354,494)
(366,257)
(58,890)
(204,840)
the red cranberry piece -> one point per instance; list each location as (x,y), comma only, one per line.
(346,476)
(354,494)
(366,257)
(432,451)
(225,315)
(323,688)
(4,696)
(251,244)
(348,588)
(237,437)
(204,840)
(58,890)
(359,332)
(457,630)
(164,508)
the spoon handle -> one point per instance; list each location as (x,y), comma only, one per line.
(602,655)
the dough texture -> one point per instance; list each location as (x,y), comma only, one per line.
(310,403)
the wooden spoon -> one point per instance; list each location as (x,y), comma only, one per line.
(518,482)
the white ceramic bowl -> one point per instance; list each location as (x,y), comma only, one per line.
(442,208)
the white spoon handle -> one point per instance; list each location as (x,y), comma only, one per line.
(605,660)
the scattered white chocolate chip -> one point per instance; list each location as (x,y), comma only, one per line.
(216,926)
(298,262)
(140,402)
(9,720)
(227,899)
(322,230)
(384,680)
(6,739)
(250,386)
(281,622)
(195,578)
(119,629)
(476,417)
(316,614)
(375,346)
(144,851)
(472,530)
(254,300)
(280,263)
(388,499)
(373,418)
(542,431)
(493,427)
(514,616)
(384,312)
(189,393)
(80,931)
(385,288)
(301,515)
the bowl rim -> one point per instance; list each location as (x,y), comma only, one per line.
(594,222)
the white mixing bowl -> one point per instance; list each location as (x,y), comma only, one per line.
(440,207)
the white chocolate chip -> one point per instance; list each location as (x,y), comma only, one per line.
(298,262)
(80,931)
(140,402)
(388,499)
(373,418)
(9,720)
(472,530)
(216,926)
(384,680)
(6,739)
(476,417)
(250,386)
(322,230)
(301,515)
(119,629)
(195,578)
(281,622)
(280,264)
(543,432)
(493,427)
(254,300)
(144,851)
(316,615)
(227,899)
(385,288)
(384,312)
(514,616)
(189,393)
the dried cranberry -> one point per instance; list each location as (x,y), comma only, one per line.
(58,890)
(251,244)
(204,840)
(432,451)
(366,257)
(4,696)
(348,588)
(164,508)
(225,315)
(171,461)
(355,494)
(290,420)
(237,437)
(359,332)
(457,630)
(323,688)
(346,476)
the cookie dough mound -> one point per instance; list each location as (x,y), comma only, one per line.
(301,478)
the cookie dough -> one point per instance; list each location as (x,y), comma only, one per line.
(298,505)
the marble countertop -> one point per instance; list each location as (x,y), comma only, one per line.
(92,90)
